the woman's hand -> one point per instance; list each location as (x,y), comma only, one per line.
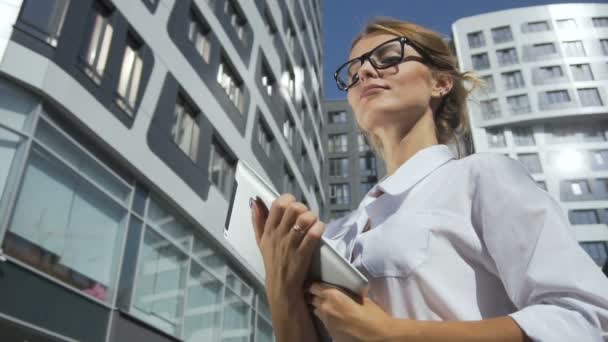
(347,318)
(286,251)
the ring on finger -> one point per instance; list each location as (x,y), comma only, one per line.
(297,228)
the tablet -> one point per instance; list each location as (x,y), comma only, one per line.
(327,265)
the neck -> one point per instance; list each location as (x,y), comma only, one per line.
(399,147)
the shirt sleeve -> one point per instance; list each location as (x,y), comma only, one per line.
(559,292)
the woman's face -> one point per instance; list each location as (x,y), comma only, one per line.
(394,97)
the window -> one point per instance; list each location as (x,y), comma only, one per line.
(362,143)
(289,81)
(554,98)
(539,51)
(565,24)
(488,83)
(290,35)
(597,250)
(315,146)
(96,55)
(288,129)
(496,137)
(237,20)
(604,45)
(513,80)
(367,166)
(579,187)
(537,26)
(289,185)
(542,185)
(232,84)
(575,132)
(338,167)
(480,61)
(70,214)
(599,160)
(589,97)
(548,74)
(523,136)
(44,19)
(339,193)
(574,49)
(237,314)
(303,110)
(221,169)
(337,143)
(185,130)
(269,24)
(159,293)
(490,109)
(581,72)
(476,39)
(186,288)
(130,74)
(531,162)
(507,56)
(265,138)
(304,161)
(600,21)
(519,104)
(198,35)
(593,132)
(602,183)
(268,81)
(337,116)
(502,34)
(204,299)
(588,216)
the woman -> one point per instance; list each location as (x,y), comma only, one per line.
(455,249)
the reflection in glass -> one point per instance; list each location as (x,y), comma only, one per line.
(160,283)
(203,309)
(66,227)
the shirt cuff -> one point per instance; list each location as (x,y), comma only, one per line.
(543,322)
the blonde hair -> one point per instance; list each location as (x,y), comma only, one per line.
(451,116)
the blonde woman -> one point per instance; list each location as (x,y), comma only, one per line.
(465,249)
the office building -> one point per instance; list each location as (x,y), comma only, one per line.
(545,103)
(121,123)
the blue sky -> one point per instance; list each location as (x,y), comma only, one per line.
(343,19)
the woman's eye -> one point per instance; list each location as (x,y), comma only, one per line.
(388,59)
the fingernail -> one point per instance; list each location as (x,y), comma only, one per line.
(251,202)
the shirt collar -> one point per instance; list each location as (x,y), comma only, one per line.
(420,165)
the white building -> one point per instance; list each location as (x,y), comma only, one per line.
(120,125)
(546,102)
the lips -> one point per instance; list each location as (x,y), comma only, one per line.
(371,89)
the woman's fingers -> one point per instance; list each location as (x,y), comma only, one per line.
(311,240)
(290,215)
(277,210)
(303,223)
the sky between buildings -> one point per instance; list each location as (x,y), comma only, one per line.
(343,19)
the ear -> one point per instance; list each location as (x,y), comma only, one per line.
(442,84)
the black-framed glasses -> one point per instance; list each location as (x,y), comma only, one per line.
(383,56)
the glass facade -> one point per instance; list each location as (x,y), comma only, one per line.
(68,220)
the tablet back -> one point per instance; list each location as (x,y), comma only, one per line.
(327,265)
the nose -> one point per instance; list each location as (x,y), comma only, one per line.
(367,70)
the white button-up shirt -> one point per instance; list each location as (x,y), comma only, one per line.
(470,239)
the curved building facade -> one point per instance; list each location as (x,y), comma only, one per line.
(545,102)
(120,126)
